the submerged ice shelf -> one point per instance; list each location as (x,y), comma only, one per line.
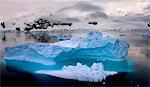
(93,46)
(80,72)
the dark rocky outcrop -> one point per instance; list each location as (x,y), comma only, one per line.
(69,24)
(4,37)
(18,29)
(148,25)
(3,25)
(43,24)
(93,23)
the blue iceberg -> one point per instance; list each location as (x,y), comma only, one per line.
(93,46)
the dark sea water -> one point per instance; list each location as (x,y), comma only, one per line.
(18,73)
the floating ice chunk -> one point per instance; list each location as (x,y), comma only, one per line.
(80,72)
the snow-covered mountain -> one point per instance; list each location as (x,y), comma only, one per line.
(128,21)
(19,19)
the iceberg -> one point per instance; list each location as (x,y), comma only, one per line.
(93,46)
(95,73)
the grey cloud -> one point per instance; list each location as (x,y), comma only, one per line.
(147,7)
(72,19)
(136,17)
(83,6)
(98,14)
(94,10)
(140,17)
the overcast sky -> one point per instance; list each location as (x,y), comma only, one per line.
(78,8)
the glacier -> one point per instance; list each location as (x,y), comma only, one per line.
(93,46)
(95,73)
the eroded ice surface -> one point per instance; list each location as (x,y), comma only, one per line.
(94,45)
(80,72)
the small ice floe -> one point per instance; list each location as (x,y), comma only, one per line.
(95,73)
